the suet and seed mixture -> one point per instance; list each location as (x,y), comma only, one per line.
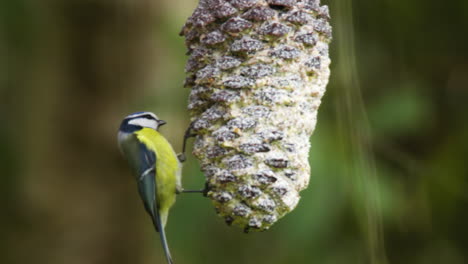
(257,70)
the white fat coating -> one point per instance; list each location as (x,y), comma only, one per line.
(144,122)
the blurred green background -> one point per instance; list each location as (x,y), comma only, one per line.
(389,170)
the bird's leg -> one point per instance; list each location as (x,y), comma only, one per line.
(203,191)
(181,156)
(187,135)
(182,190)
(193,191)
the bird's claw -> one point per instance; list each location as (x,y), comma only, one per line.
(181,157)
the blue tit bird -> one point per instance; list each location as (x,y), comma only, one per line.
(155,165)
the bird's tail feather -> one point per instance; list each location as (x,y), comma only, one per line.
(160,228)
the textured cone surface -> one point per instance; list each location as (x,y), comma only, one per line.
(257,70)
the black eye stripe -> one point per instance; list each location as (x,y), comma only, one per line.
(148,116)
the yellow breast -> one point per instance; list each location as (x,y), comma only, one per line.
(167,166)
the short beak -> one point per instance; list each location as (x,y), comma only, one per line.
(161,122)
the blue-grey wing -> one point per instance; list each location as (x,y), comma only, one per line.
(147,180)
(143,162)
(146,159)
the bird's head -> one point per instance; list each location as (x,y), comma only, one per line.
(139,120)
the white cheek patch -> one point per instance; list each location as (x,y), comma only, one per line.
(144,122)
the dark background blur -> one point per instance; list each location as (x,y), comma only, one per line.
(389,155)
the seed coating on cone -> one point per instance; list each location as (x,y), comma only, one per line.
(257,70)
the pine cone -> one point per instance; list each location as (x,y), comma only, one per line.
(257,72)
